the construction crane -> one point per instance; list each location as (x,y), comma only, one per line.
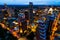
(54,27)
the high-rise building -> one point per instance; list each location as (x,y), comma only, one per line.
(31,12)
(5,5)
(41,30)
(31,7)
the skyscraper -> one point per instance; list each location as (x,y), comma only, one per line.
(31,12)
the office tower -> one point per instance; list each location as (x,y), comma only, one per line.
(31,12)
(16,14)
(51,17)
(26,15)
(5,5)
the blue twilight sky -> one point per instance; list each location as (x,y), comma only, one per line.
(35,2)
